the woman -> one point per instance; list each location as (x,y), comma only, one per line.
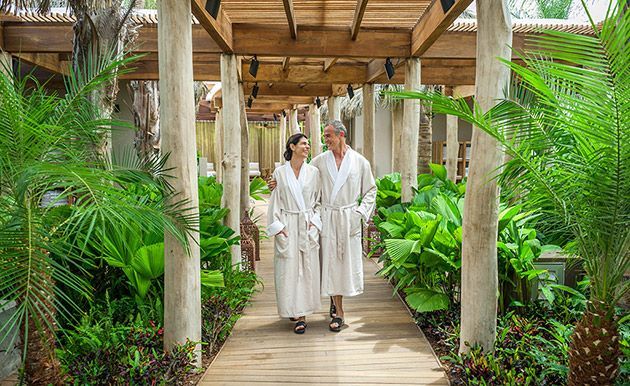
(293,219)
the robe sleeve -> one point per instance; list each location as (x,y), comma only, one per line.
(368,192)
(273,212)
(317,219)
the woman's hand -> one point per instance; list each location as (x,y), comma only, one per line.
(284,233)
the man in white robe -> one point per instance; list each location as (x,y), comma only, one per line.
(348,195)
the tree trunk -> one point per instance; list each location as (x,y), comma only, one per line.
(452,142)
(283,136)
(218,145)
(145,108)
(244,154)
(293,123)
(397,122)
(409,136)
(594,348)
(315,128)
(480,222)
(334,108)
(182,289)
(100,34)
(425,139)
(369,125)
(231,147)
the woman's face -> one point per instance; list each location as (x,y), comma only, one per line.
(301,149)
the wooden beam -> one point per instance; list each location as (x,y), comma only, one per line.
(220,30)
(358,17)
(320,42)
(49,61)
(264,99)
(290,89)
(268,72)
(285,63)
(288,9)
(433,23)
(329,62)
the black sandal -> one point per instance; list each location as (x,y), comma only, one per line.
(333,309)
(297,328)
(338,321)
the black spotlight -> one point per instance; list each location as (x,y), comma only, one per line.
(284,113)
(212,6)
(447,4)
(275,117)
(255,90)
(253,67)
(249,102)
(389,68)
(318,102)
(350,91)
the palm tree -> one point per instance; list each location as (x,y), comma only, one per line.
(567,131)
(48,158)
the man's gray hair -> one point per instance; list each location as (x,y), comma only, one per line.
(338,126)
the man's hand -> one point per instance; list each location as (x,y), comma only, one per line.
(272,184)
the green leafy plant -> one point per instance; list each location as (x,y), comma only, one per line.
(49,158)
(565,127)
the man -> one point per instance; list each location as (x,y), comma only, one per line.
(346,179)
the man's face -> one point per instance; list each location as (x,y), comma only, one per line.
(331,138)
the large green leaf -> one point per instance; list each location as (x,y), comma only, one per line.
(212,278)
(149,261)
(439,171)
(400,249)
(425,300)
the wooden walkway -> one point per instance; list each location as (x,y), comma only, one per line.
(380,345)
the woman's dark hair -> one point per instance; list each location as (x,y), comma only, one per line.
(293,140)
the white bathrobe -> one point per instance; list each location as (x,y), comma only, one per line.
(294,206)
(342,255)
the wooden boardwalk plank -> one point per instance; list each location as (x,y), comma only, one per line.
(381,345)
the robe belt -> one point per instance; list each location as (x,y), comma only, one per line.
(304,220)
(338,227)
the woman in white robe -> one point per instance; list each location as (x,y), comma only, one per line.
(294,220)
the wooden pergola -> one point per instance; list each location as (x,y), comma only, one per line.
(305,49)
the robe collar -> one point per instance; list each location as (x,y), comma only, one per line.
(339,176)
(296,184)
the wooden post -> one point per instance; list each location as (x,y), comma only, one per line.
(334,108)
(409,139)
(369,124)
(294,125)
(203,167)
(316,132)
(283,136)
(397,123)
(231,147)
(480,222)
(182,291)
(218,146)
(452,142)
(244,154)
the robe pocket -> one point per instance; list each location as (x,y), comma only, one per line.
(355,224)
(282,244)
(313,236)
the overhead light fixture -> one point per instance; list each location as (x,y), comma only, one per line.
(255,90)
(350,91)
(212,6)
(284,113)
(318,102)
(447,4)
(389,68)
(253,67)
(249,102)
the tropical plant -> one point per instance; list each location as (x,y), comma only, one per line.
(569,141)
(49,159)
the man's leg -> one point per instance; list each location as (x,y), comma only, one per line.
(338,300)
